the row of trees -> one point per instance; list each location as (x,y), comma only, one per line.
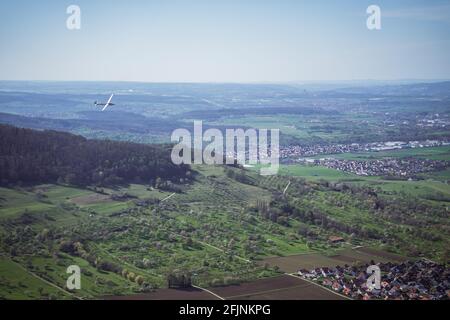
(77,249)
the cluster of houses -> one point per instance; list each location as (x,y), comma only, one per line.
(410,280)
(434,121)
(295,152)
(405,167)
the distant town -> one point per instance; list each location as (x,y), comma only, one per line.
(296,153)
(406,167)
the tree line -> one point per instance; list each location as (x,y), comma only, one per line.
(31,156)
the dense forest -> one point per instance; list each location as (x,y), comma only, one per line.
(31,156)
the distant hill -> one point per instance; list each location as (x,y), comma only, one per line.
(115,121)
(31,156)
(426,89)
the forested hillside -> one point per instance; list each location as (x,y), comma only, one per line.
(30,156)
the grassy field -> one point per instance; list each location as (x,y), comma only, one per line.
(87,212)
(432,182)
(314,172)
(18,284)
(13,202)
(212,228)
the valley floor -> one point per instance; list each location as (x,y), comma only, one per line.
(237,235)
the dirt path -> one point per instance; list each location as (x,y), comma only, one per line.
(219,249)
(168,197)
(210,292)
(285,189)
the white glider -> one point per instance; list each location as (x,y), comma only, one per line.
(105,105)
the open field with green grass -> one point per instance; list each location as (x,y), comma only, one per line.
(228,226)
(19,284)
(314,172)
(216,228)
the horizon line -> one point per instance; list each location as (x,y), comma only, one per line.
(239,82)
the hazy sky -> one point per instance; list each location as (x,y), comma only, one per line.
(224,41)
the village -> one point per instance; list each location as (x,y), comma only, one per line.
(410,280)
(406,167)
(295,153)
